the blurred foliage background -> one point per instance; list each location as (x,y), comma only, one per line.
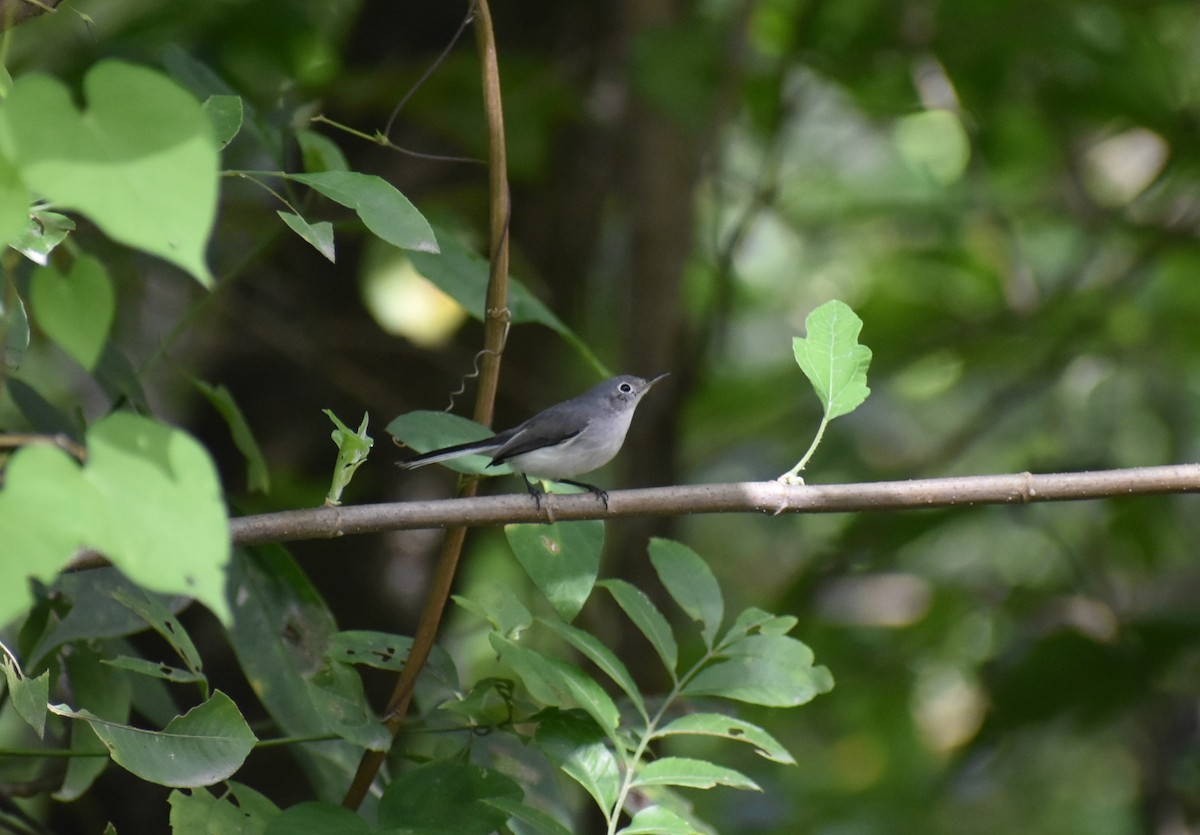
(1005,191)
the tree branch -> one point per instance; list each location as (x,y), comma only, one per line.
(746,497)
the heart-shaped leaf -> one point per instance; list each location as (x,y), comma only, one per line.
(139,160)
(76,309)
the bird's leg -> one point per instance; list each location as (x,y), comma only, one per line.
(602,495)
(533,491)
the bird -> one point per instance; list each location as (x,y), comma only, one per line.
(565,440)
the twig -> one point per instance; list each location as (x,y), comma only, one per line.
(745,497)
(496,320)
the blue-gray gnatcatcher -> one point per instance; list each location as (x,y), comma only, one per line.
(568,439)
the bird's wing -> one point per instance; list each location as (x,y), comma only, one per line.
(526,438)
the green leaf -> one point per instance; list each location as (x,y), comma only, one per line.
(691,583)
(646,617)
(562,559)
(44,231)
(463,275)
(46,514)
(832,359)
(319,235)
(557,683)
(164,511)
(28,695)
(728,727)
(317,817)
(447,796)
(94,613)
(353,449)
(155,669)
(602,657)
(15,324)
(382,209)
(105,692)
(240,811)
(163,621)
(655,820)
(282,632)
(691,773)
(425,430)
(257,477)
(204,746)
(75,310)
(381,650)
(140,161)
(14,204)
(537,820)
(498,605)
(771,670)
(337,693)
(320,153)
(225,115)
(579,748)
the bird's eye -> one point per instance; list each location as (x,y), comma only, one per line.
(625,387)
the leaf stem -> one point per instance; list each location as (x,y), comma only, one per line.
(792,476)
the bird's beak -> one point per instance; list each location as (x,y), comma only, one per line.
(659,377)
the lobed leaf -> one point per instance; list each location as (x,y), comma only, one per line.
(832,359)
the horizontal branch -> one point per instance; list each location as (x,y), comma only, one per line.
(747,497)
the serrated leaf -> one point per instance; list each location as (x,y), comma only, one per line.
(319,235)
(557,683)
(382,209)
(771,670)
(139,161)
(562,559)
(691,583)
(728,727)
(204,746)
(832,359)
(602,657)
(647,618)
(691,773)
(75,309)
